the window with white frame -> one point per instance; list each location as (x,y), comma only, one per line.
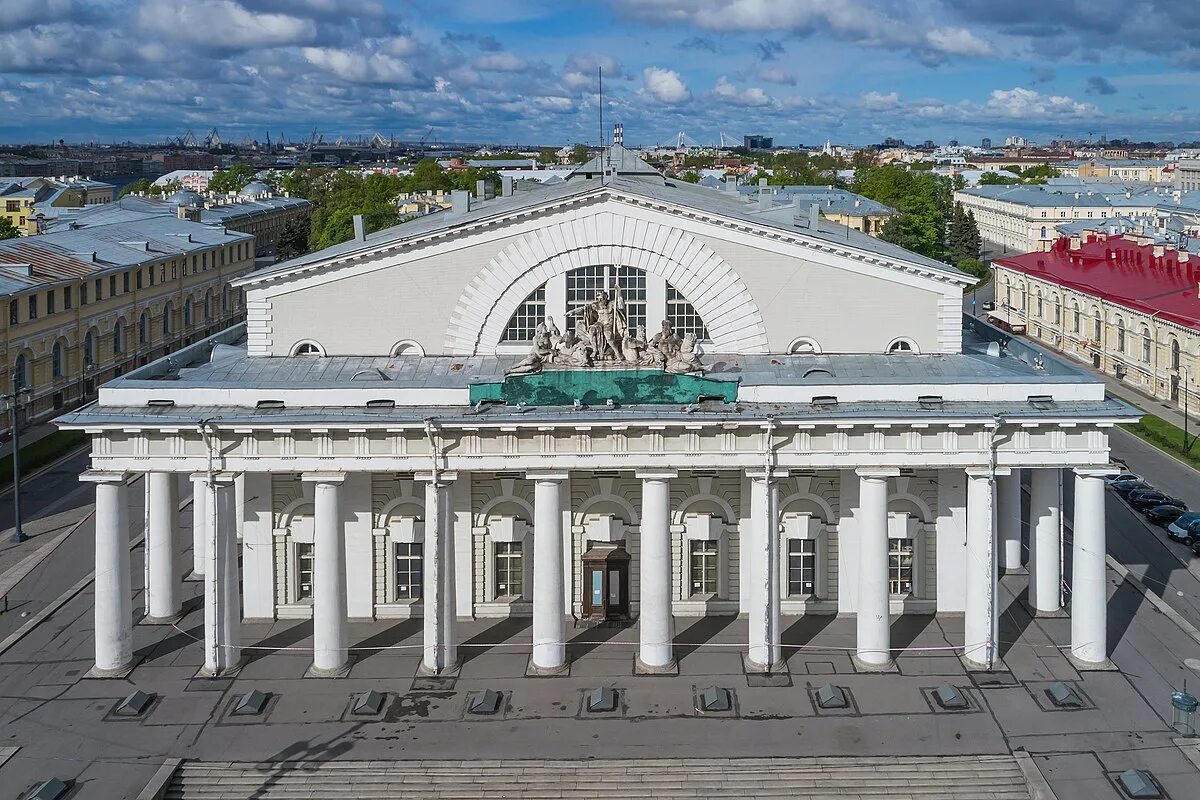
(580,286)
(304,571)
(1146,344)
(801,567)
(509,569)
(528,316)
(683,316)
(408,573)
(901,558)
(704,562)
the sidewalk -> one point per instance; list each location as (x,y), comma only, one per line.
(29,435)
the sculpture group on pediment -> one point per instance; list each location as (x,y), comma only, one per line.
(601,337)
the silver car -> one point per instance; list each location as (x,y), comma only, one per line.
(1178,530)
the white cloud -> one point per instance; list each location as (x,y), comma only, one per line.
(958,41)
(501,62)
(1021,103)
(357,67)
(752,96)
(777,75)
(222,25)
(665,86)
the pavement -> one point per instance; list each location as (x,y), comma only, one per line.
(62,721)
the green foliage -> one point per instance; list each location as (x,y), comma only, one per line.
(1015,169)
(996,179)
(42,452)
(690,177)
(142,185)
(232,179)
(924,200)
(977,269)
(293,239)
(547,155)
(800,169)
(1166,437)
(8,230)
(963,241)
(579,154)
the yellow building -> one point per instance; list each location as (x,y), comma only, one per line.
(24,200)
(86,304)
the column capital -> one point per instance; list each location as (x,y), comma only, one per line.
(547,474)
(104,476)
(221,478)
(656,474)
(987,472)
(323,477)
(1095,472)
(443,476)
(760,473)
(878,472)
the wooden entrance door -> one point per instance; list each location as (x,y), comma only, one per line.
(606,583)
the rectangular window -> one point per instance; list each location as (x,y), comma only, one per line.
(174,271)
(409,578)
(50,303)
(14,311)
(125,282)
(162,272)
(67,300)
(509,577)
(704,567)
(33,306)
(99,293)
(802,567)
(83,294)
(304,571)
(12,206)
(900,566)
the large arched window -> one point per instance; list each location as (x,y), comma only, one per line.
(144,329)
(1120,335)
(168,312)
(208,304)
(1146,344)
(118,338)
(1174,353)
(1074,317)
(1097,324)
(1040,311)
(187,312)
(89,350)
(647,299)
(57,367)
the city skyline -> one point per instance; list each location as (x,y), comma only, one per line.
(525,71)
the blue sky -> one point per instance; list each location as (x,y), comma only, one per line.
(853,71)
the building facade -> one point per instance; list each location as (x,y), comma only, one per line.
(464,416)
(1126,304)
(85,305)
(23,200)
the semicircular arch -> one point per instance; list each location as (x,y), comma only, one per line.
(720,297)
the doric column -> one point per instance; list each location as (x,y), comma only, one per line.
(164,589)
(331,655)
(1045,540)
(762,548)
(549,623)
(656,625)
(1089,592)
(200,515)
(873,649)
(222,601)
(440,651)
(114,602)
(979,618)
(1008,520)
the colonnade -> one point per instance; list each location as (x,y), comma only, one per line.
(989,541)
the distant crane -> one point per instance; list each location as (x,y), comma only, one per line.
(213,139)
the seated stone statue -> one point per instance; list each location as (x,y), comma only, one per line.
(634,347)
(686,361)
(541,353)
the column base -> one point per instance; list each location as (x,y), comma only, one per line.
(751,667)
(447,673)
(888,666)
(563,670)
(670,669)
(171,620)
(110,674)
(231,671)
(194,576)
(1092,666)
(339,672)
(1021,570)
(970,665)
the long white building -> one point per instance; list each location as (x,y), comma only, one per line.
(460,417)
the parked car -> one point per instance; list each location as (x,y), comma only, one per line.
(1178,530)
(1164,515)
(1144,501)
(1196,545)
(1125,487)
(1122,477)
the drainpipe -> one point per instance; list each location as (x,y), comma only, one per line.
(770,540)
(211,582)
(997,421)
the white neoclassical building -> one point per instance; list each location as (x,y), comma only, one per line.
(845,442)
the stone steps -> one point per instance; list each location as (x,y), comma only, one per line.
(896,778)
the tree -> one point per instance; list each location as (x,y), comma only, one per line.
(964,239)
(996,179)
(924,200)
(231,180)
(293,239)
(547,155)
(579,154)
(690,177)
(140,186)
(8,230)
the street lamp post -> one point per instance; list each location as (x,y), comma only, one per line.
(13,399)
(1187,447)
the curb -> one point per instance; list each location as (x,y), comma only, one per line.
(156,789)
(1158,449)
(1039,788)
(45,468)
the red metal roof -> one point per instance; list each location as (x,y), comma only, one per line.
(1122,271)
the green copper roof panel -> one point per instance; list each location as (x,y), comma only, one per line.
(597,387)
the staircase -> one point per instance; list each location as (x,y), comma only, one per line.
(895,778)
